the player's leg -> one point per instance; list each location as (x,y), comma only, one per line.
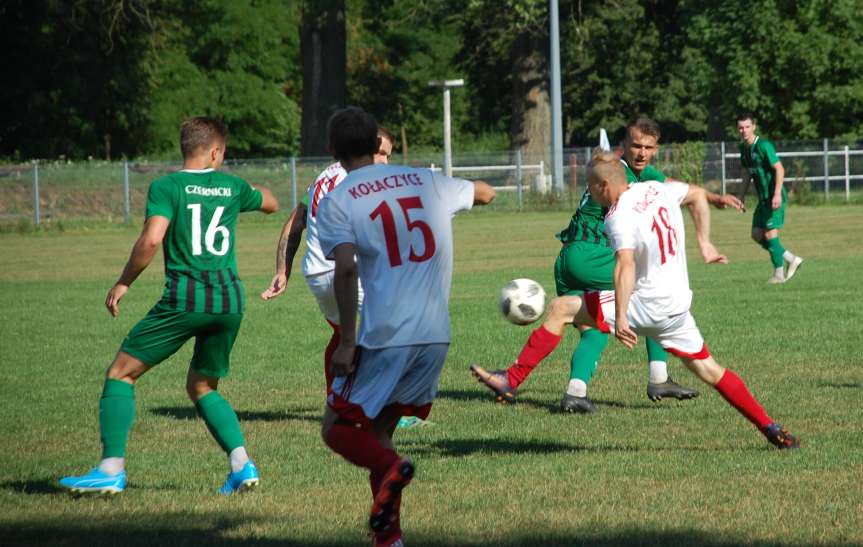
(778,253)
(681,336)
(210,362)
(659,383)
(562,311)
(582,367)
(152,340)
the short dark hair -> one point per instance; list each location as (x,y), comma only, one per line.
(645,125)
(200,132)
(746,116)
(385,133)
(353,133)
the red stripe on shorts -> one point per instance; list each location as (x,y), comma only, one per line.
(349,411)
(703,353)
(594,308)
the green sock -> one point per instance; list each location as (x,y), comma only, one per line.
(764,244)
(116,414)
(655,351)
(587,354)
(221,420)
(776,251)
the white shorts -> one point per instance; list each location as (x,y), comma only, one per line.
(677,334)
(322,288)
(405,377)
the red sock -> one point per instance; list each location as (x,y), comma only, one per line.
(538,346)
(361,447)
(328,356)
(732,388)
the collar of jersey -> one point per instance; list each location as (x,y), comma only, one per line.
(196,171)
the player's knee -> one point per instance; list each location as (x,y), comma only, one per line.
(125,368)
(707,370)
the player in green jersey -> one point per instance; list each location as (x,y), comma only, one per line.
(761,164)
(587,262)
(192,214)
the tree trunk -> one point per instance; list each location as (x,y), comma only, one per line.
(322,45)
(531,105)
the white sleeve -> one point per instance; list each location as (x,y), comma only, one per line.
(334,226)
(458,194)
(676,191)
(622,233)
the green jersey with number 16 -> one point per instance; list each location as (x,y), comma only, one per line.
(200,262)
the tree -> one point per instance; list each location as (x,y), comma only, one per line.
(323,43)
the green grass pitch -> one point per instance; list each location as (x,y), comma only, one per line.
(636,473)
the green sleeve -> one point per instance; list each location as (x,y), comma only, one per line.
(160,199)
(652,173)
(769,152)
(250,199)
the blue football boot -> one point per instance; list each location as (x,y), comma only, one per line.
(95,482)
(241,481)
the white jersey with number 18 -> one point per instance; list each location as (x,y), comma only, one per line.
(400,221)
(647,219)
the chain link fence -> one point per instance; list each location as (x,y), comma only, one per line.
(116,192)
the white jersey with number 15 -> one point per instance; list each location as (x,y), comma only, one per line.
(400,221)
(647,219)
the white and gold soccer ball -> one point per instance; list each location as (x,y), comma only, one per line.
(522,301)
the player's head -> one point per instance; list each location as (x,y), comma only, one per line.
(640,143)
(353,134)
(746,127)
(204,138)
(606,178)
(385,148)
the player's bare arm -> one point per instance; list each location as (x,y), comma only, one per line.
(776,203)
(345,286)
(624,284)
(286,250)
(720,201)
(483,193)
(269,203)
(696,201)
(142,254)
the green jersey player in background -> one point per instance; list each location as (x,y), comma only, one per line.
(587,262)
(761,164)
(192,213)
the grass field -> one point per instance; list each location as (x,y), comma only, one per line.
(635,473)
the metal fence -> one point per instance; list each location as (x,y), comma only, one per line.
(39,192)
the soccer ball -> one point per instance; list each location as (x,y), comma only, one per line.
(522,301)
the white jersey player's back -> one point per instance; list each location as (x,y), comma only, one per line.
(647,219)
(400,220)
(314,261)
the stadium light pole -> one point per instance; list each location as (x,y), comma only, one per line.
(556,123)
(447,122)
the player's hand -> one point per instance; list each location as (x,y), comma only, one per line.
(730,200)
(342,362)
(277,286)
(112,301)
(777,202)
(711,255)
(623,333)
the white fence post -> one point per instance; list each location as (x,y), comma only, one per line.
(293,182)
(126,204)
(826,171)
(722,156)
(518,176)
(36,212)
(847,176)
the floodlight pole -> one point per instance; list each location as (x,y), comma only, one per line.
(556,123)
(447,121)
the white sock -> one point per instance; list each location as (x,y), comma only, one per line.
(779,272)
(112,466)
(576,388)
(658,372)
(238,458)
(788,256)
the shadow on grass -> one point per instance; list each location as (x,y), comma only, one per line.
(551,404)
(189,413)
(221,529)
(32,487)
(848,385)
